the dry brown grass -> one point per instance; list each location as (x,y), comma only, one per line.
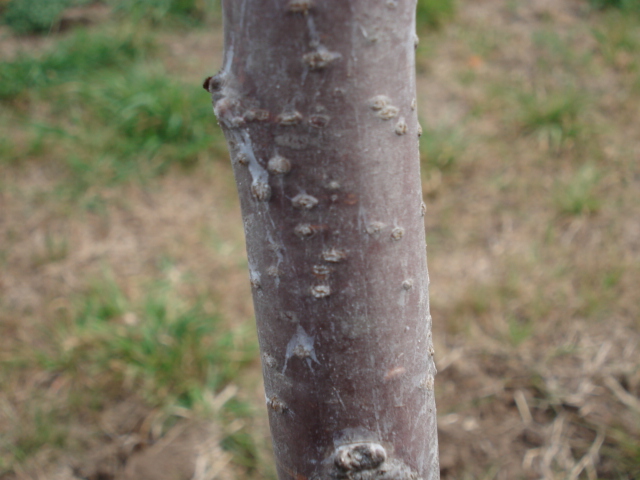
(535,274)
(532,181)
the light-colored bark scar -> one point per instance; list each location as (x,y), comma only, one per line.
(301,346)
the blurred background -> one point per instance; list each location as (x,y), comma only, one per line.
(127,339)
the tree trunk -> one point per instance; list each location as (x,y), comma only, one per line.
(317,102)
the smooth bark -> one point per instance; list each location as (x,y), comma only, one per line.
(317,102)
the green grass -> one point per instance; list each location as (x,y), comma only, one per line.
(441,148)
(34,16)
(624,5)
(624,449)
(102,120)
(170,349)
(43,16)
(519,330)
(185,12)
(6,149)
(166,349)
(562,52)
(618,38)
(150,111)
(433,14)
(79,58)
(578,195)
(137,125)
(41,427)
(554,118)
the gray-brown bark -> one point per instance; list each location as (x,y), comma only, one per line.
(317,102)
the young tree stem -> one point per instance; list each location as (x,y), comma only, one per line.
(317,102)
